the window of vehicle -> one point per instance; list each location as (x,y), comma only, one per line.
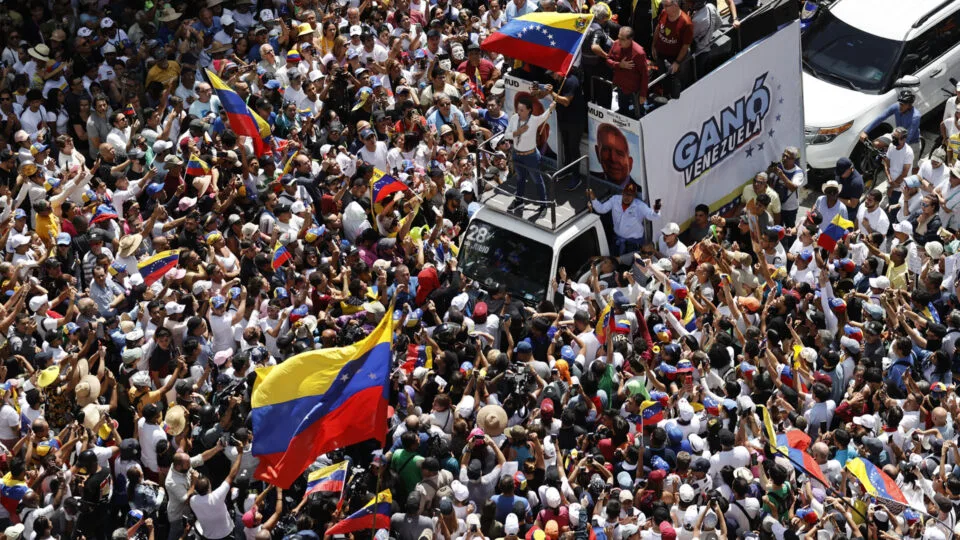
(927,47)
(835,52)
(578,251)
(491,255)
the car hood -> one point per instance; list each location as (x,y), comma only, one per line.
(827,105)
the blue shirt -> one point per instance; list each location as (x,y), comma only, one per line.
(895,374)
(437,120)
(505,505)
(909,120)
(497,125)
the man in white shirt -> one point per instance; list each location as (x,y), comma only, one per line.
(210,506)
(373,152)
(180,484)
(870,217)
(629,214)
(899,161)
(119,136)
(735,456)
(669,242)
(150,432)
(948,191)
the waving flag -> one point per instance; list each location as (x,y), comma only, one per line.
(604,324)
(834,232)
(548,40)
(374,515)
(652,412)
(280,256)
(386,186)
(328,479)
(243,121)
(318,401)
(155,267)
(197,166)
(418,356)
(877,483)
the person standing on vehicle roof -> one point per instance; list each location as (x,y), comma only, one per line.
(905,115)
(628,214)
(522,129)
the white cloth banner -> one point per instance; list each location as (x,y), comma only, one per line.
(726,128)
(548,139)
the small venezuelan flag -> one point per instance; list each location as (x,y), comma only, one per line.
(374,515)
(418,356)
(834,232)
(327,479)
(155,267)
(386,186)
(280,256)
(875,481)
(548,40)
(604,324)
(318,401)
(652,412)
(197,166)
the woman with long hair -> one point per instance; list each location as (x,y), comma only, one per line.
(78,123)
(57,117)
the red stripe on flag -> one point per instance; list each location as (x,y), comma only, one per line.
(546,57)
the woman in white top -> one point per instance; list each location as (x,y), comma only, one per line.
(522,130)
(222,255)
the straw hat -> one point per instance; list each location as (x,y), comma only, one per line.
(169,14)
(492,419)
(47,376)
(218,47)
(176,420)
(201,183)
(129,244)
(87,390)
(91,415)
(83,368)
(40,52)
(305,29)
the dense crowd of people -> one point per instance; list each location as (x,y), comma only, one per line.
(157,255)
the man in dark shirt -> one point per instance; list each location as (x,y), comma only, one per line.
(851,185)
(699,228)
(672,39)
(572,115)
(8,168)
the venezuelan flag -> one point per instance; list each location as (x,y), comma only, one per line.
(652,412)
(318,401)
(280,256)
(329,479)
(834,232)
(386,186)
(243,121)
(604,322)
(418,356)
(374,515)
(197,166)
(155,267)
(288,166)
(875,481)
(548,40)
(11,492)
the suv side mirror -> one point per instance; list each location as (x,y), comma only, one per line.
(908,81)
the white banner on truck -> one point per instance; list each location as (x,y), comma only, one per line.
(726,128)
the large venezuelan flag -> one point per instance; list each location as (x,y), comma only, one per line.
(243,120)
(319,401)
(155,267)
(548,40)
(875,481)
(374,515)
(329,479)
(386,186)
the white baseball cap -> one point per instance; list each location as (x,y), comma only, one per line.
(106,22)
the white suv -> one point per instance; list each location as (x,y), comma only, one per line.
(855,54)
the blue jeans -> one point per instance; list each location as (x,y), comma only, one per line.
(529,166)
(628,245)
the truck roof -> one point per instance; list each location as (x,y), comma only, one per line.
(569,206)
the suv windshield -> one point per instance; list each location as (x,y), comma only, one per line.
(835,52)
(491,255)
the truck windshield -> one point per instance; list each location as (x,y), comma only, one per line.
(835,52)
(491,255)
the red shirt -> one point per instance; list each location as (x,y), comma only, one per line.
(629,80)
(486,69)
(671,36)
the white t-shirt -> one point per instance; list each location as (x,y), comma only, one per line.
(877,219)
(899,159)
(9,423)
(213,519)
(377,157)
(221,326)
(150,434)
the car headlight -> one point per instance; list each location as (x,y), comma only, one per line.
(825,135)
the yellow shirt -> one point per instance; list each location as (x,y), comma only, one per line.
(48,227)
(749,194)
(164,76)
(897,275)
